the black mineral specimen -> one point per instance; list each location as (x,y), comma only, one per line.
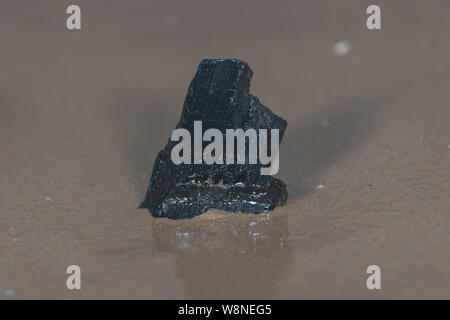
(219,97)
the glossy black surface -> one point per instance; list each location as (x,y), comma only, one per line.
(219,97)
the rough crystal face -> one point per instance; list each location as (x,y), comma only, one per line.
(219,97)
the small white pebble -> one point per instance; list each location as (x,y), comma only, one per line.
(341,48)
(421,138)
(9,292)
(48,198)
(448,147)
(324,122)
(320,186)
(252,224)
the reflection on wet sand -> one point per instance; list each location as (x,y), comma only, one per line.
(227,255)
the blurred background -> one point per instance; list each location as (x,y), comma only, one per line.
(366,155)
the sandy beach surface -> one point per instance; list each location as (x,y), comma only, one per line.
(366,155)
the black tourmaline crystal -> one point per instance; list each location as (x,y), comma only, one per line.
(219,97)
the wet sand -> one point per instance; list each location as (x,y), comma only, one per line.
(84,113)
